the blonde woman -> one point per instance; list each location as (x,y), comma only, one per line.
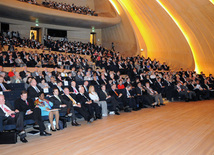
(94,96)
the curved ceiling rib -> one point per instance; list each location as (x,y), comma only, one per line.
(184,31)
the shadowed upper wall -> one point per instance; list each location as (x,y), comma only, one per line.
(121,34)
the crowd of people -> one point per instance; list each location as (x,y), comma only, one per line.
(69,8)
(116,84)
(30,1)
(83,10)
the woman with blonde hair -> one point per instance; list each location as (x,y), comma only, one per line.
(94,96)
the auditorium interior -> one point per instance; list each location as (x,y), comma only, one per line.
(107,77)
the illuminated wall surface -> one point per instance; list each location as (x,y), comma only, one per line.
(179,32)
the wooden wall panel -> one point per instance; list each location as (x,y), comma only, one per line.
(163,39)
(198,15)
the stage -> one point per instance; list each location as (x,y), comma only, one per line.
(177,128)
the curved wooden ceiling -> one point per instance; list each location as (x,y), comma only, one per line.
(163,38)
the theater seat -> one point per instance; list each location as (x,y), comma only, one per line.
(17,86)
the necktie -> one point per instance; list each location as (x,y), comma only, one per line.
(179,88)
(60,88)
(105,93)
(86,89)
(27,102)
(37,90)
(151,90)
(97,82)
(115,92)
(7,110)
(58,98)
(73,101)
(75,91)
(2,86)
(160,84)
(128,94)
(85,97)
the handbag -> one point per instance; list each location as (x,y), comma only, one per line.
(8,137)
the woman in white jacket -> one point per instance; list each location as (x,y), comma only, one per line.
(94,96)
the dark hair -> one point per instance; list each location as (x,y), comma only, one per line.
(23,92)
(55,89)
(129,86)
(40,93)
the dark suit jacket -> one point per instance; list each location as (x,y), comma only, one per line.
(81,99)
(138,91)
(68,101)
(102,82)
(95,83)
(6,86)
(72,90)
(57,103)
(32,93)
(102,95)
(22,106)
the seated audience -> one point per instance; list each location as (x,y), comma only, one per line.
(93,108)
(46,110)
(153,93)
(30,111)
(3,86)
(104,96)
(94,97)
(34,90)
(12,117)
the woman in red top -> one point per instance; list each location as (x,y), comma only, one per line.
(120,85)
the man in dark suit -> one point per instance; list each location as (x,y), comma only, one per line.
(104,96)
(129,98)
(12,117)
(4,61)
(79,77)
(33,90)
(55,72)
(119,97)
(3,86)
(85,85)
(71,98)
(155,94)
(59,87)
(26,105)
(103,80)
(73,88)
(160,86)
(60,103)
(95,82)
(93,108)
(143,98)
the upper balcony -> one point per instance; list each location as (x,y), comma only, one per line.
(28,12)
